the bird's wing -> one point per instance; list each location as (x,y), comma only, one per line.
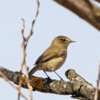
(51,54)
(44,58)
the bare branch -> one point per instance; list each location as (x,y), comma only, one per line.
(98,1)
(84,9)
(77,86)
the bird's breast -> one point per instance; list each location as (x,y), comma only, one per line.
(54,64)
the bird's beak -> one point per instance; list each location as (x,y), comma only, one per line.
(72,41)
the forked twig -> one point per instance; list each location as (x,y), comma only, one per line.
(24,45)
(97,89)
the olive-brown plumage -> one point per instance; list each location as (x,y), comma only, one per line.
(54,56)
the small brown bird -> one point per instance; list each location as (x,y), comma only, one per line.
(53,57)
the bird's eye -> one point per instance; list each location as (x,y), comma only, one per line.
(64,39)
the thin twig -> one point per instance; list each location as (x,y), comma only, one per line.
(28,83)
(6,79)
(97,89)
(24,45)
(20,83)
(38,4)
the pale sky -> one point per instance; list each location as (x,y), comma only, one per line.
(53,20)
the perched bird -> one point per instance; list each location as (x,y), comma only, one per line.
(53,57)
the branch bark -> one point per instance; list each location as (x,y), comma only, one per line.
(84,9)
(77,86)
(98,1)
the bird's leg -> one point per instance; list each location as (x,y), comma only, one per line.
(47,75)
(59,76)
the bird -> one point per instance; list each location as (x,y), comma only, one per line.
(53,57)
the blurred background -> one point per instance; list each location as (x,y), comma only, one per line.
(53,20)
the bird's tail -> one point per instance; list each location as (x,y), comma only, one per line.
(33,70)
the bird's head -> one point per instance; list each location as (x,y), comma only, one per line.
(62,41)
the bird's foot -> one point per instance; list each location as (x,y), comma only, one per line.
(61,80)
(49,80)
